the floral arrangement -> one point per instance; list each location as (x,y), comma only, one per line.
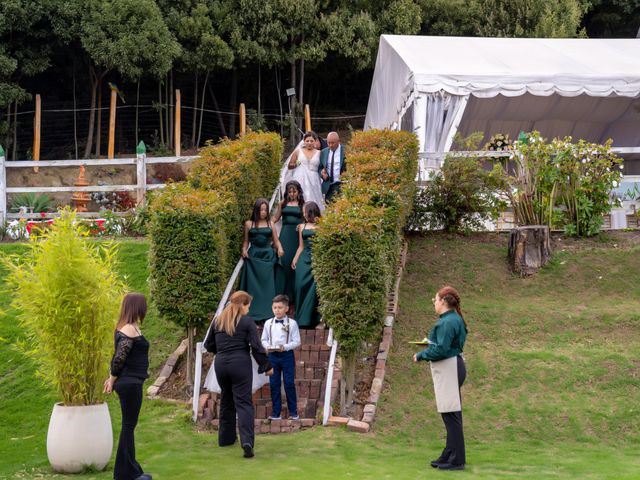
(499,143)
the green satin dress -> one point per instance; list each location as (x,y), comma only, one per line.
(307,314)
(291,218)
(258,277)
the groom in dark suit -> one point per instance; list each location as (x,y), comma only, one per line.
(332,166)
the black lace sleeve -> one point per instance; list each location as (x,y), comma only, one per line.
(123,347)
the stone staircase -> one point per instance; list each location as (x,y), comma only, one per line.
(312,362)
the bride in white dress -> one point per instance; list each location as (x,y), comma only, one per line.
(305,161)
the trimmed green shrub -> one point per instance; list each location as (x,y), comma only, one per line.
(356,247)
(189,252)
(68,297)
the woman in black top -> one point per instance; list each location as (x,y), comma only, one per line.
(233,337)
(129,367)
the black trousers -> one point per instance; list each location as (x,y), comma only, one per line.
(235,375)
(126,466)
(333,192)
(454,451)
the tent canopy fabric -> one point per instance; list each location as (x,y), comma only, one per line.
(410,69)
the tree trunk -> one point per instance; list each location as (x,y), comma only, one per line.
(529,249)
(292,108)
(259,89)
(194,123)
(223,129)
(160,116)
(137,108)
(204,85)
(277,75)
(190,355)
(300,119)
(92,111)
(99,127)
(15,130)
(166,111)
(171,110)
(234,101)
(75,114)
(347,383)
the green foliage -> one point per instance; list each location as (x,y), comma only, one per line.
(561,184)
(357,243)
(129,36)
(189,255)
(35,202)
(458,198)
(68,297)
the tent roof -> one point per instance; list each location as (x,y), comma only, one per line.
(486,67)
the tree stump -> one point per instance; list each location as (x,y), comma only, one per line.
(529,249)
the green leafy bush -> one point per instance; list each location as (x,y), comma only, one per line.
(189,253)
(68,296)
(35,202)
(458,198)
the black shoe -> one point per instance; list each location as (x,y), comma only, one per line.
(436,463)
(144,476)
(248,450)
(451,466)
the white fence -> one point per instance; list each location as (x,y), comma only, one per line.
(140,187)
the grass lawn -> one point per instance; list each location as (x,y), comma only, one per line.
(551,391)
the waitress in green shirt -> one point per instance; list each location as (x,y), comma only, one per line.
(446,342)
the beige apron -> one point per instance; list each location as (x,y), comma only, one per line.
(445,384)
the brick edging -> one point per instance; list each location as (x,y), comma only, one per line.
(167,370)
(369,412)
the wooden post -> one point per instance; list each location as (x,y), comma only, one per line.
(176,132)
(307,118)
(3,189)
(36,132)
(112,124)
(141,173)
(243,120)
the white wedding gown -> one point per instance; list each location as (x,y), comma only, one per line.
(306,173)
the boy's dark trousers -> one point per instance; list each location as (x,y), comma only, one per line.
(284,364)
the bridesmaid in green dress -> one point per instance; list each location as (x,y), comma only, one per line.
(259,273)
(307,314)
(290,211)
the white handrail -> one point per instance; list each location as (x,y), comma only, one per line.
(225,296)
(326,408)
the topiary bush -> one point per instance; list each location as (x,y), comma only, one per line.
(356,247)
(67,295)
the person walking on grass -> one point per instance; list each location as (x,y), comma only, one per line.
(129,370)
(233,338)
(444,351)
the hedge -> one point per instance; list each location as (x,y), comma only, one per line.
(196,226)
(356,247)
(189,254)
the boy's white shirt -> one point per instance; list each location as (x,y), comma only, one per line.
(279,335)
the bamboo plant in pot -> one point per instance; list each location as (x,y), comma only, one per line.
(67,296)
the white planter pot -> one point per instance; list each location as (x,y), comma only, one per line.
(79,437)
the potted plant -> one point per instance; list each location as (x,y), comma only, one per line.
(67,298)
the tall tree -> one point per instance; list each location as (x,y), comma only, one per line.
(196,25)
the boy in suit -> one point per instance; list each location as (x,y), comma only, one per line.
(280,337)
(332,166)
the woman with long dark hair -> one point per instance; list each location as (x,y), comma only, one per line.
(305,164)
(307,314)
(258,277)
(290,211)
(444,351)
(129,367)
(233,337)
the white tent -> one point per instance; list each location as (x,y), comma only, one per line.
(437,86)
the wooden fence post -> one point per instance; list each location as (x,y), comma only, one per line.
(3,189)
(112,124)
(141,173)
(176,133)
(307,118)
(36,132)
(243,120)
